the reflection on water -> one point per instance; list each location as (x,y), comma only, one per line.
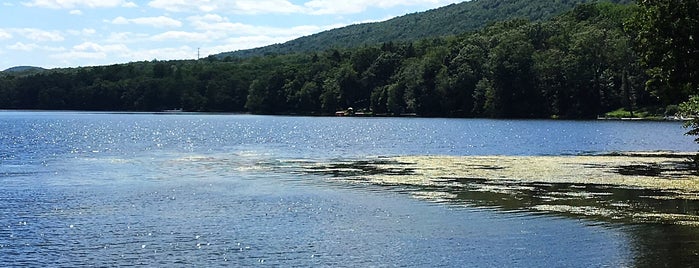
(79,189)
(663,225)
(245,209)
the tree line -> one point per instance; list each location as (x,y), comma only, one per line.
(577,65)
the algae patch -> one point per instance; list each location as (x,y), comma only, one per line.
(626,187)
(652,172)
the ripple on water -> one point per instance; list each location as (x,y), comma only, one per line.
(144,190)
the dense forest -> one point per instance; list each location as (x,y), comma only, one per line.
(450,20)
(580,64)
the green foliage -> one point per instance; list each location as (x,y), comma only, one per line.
(690,109)
(454,19)
(644,113)
(576,65)
(666,38)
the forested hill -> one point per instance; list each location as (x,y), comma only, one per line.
(591,60)
(450,20)
(23,70)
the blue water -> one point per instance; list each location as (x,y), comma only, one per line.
(101,189)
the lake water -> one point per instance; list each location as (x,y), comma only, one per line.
(105,189)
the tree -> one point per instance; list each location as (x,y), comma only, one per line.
(690,108)
(666,37)
(258,97)
(512,70)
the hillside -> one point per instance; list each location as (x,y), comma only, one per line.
(576,65)
(23,69)
(449,20)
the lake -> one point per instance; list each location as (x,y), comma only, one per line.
(122,189)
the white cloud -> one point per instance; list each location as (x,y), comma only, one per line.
(184,5)
(315,7)
(33,47)
(130,5)
(5,35)
(76,55)
(267,6)
(23,47)
(229,6)
(72,4)
(160,21)
(213,23)
(39,35)
(120,20)
(84,32)
(125,37)
(180,35)
(324,7)
(171,53)
(208,18)
(91,50)
(244,42)
(320,7)
(91,46)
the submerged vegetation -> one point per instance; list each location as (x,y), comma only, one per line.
(625,187)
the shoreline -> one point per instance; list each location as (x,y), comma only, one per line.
(356,115)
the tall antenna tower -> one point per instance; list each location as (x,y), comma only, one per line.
(198,53)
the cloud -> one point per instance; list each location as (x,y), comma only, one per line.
(243,42)
(83,32)
(229,6)
(184,5)
(39,35)
(328,7)
(268,6)
(91,50)
(5,35)
(23,47)
(94,47)
(180,35)
(126,38)
(72,4)
(129,5)
(168,53)
(213,23)
(95,54)
(314,7)
(158,30)
(33,47)
(160,21)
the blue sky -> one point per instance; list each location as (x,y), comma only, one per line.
(73,33)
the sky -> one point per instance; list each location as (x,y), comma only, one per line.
(74,33)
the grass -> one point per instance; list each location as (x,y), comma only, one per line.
(643,113)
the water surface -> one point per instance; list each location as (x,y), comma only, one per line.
(81,189)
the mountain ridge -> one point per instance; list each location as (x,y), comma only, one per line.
(449,20)
(20,69)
